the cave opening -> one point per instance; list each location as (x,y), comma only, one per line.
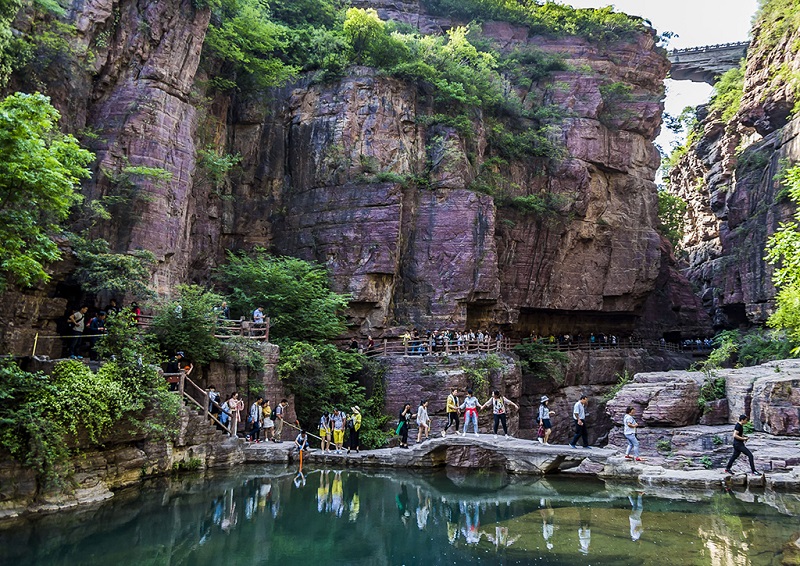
(736,315)
(545,322)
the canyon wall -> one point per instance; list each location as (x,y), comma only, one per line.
(731,179)
(351,173)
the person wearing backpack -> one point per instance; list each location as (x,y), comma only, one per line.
(337,423)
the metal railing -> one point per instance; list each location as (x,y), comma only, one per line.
(704,48)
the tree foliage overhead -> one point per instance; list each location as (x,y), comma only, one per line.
(40,169)
(671,217)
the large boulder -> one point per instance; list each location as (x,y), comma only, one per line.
(660,399)
(776,405)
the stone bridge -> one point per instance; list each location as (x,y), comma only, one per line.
(513,455)
(705,64)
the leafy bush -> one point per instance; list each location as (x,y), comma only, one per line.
(102,271)
(728,91)
(622,379)
(542,360)
(712,390)
(664,445)
(248,44)
(671,217)
(46,419)
(706,462)
(546,18)
(479,371)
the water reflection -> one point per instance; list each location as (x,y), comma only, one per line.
(271,516)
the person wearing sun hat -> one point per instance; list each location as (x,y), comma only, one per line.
(355,419)
(544,420)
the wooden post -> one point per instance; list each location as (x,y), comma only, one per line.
(35,342)
(205,410)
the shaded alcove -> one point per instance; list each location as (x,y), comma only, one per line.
(558,322)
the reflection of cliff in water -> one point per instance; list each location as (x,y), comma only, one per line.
(273,515)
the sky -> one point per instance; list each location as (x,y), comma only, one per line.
(697,22)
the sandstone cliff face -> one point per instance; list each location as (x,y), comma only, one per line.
(730,179)
(442,255)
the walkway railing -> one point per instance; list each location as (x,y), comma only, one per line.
(404,347)
(190,391)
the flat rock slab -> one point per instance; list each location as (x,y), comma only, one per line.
(513,455)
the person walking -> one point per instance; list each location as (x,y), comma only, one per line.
(544,420)
(738,446)
(499,404)
(579,418)
(325,432)
(77,322)
(423,421)
(630,425)
(452,411)
(470,408)
(402,425)
(280,414)
(355,421)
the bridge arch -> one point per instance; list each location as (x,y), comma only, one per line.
(706,63)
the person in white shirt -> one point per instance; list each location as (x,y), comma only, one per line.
(423,421)
(499,403)
(579,417)
(629,430)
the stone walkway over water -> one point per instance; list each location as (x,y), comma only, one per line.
(484,451)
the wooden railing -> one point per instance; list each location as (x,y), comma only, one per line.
(186,385)
(404,347)
(226,327)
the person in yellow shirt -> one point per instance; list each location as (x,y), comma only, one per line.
(452,411)
(355,422)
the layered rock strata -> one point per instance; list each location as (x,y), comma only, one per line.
(731,179)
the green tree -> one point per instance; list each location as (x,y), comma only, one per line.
(8,9)
(294,293)
(249,44)
(40,169)
(188,323)
(671,217)
(102,271)
(783,251)
(370,40)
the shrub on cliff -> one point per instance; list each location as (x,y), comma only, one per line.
(783,251)
(602,24)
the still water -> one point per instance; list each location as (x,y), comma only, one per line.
(267,515)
